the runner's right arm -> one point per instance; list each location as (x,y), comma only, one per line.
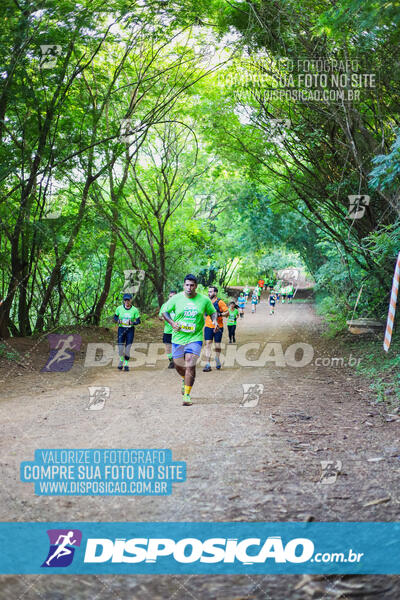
(175,326)
(214,319)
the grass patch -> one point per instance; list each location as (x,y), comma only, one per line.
(327,307)
(383,369)
(8,353)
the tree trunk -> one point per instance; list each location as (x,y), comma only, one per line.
(94,317)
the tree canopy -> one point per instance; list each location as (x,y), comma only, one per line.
(224,138)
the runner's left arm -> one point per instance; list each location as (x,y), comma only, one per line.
(137,321)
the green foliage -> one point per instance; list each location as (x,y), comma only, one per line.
(387,171)
(383,369)
(8,353)
(198,126)
(333,310)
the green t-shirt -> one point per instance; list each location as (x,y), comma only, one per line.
(246,290)
(233,315)
(126,316)
(167,326)
(189,312)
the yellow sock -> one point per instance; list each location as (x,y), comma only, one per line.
(187,389)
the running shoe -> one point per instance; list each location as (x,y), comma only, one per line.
(121,364)
(186,400)
(171,365)
(207,369)
(126,368)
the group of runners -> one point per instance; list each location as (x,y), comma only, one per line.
(189,319)
(277,292)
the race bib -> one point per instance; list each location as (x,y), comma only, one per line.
(187,327)
(125,321)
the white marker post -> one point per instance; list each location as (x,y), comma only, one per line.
(392,306)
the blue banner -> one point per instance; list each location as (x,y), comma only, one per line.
(208,548)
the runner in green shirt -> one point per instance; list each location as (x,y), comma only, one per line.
(187,336)
(127,316)
(167,335)
(290,292)
(231,321)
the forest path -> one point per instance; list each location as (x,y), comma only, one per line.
(244,463)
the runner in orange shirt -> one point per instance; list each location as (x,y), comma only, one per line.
(209,330)
(261,284)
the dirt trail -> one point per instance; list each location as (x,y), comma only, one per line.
(260,463)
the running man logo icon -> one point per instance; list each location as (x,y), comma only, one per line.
(277,130)
(204,205)
(133,280)
(50,53)
(61,551)
(126,131)
(357,206)
(251,394)
(330,471)
(62,349)
(289,275)
(97,397)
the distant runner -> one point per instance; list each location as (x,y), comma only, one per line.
(241,304)
(261,284)
(127,316)
(272,302)
(210,333)
(246,291)
(278,291)
(167,335)
(259,290)
(187,337)
(254,301)
(231,321)
(290,292)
